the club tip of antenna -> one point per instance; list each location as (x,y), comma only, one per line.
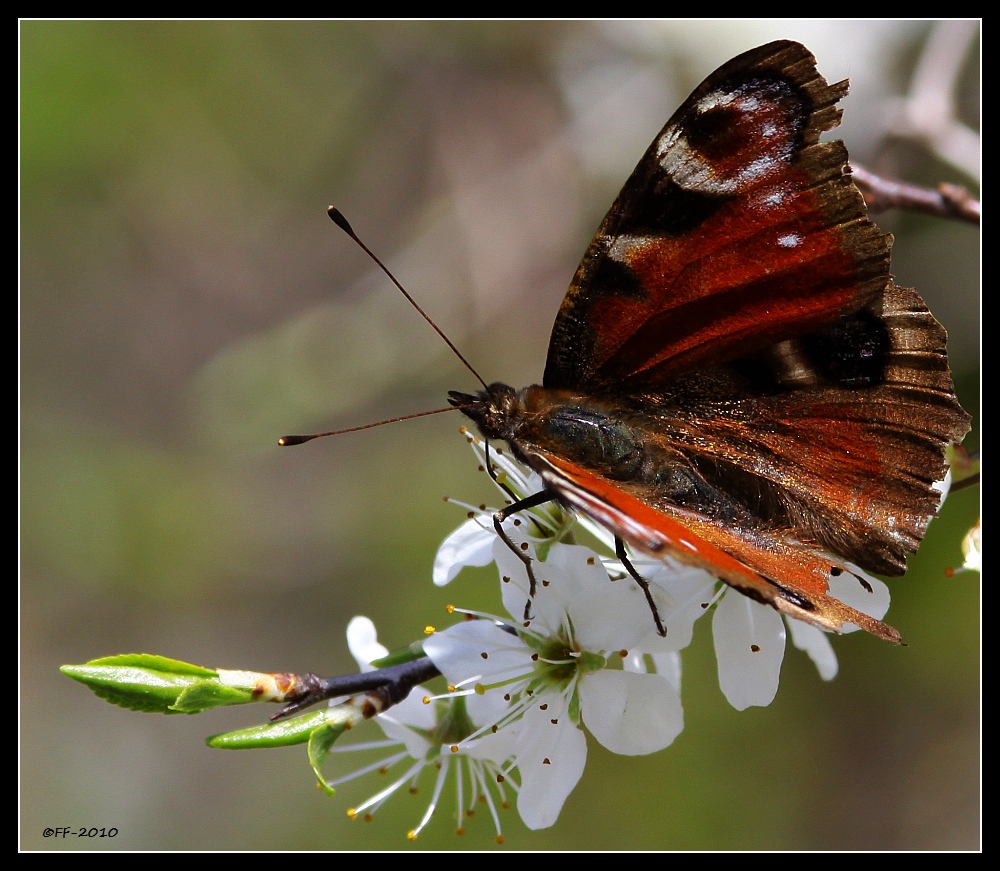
(288,441)
(338,218)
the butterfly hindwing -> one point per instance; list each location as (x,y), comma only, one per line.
(749,566)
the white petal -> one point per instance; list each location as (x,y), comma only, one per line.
(943,486)
(851,591)
(514,584)
(551,758)
(573,588)
(469,545)
(749,646)
(668,666)
(495,747)
(629,713)
(522,480)
(458,652)
(362,641)
(681,594)
(972,548)
(606,614)
(601,533)
(816,643)
(403,722)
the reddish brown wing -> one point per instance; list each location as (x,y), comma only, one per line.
(736,305)
(847,468)
(737,229)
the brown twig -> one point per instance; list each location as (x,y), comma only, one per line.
(384,687)
(948,201)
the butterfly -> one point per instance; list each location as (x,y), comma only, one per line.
(734,381)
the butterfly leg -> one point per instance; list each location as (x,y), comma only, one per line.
(642,582)
(538,498)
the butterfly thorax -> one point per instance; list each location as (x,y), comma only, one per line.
(599,435)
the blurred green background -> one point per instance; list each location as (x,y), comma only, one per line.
(185,301)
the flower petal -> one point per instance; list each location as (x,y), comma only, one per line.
(816,643)
(668,666)
(574,588)
(606,614)
(409,721)
(869,595)
(630,713)
(478,648)
(749,646)
(551,757)
(469,545)
(681,595)
(362,641)
(972,548)
(458,652)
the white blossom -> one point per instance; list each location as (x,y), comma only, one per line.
(576,661)
(430,735)
(750,638)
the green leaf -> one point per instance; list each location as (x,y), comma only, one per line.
(155,663)
(398,657)
(157,684)
(139,682)
(205,695)
(284,733)
(320,742)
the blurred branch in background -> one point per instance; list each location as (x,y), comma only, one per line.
(928,113)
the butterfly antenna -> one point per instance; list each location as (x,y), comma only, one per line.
(338,218)
(289,440)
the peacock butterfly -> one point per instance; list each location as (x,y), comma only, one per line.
(734,380)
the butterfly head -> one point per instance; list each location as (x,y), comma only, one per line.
(495,410)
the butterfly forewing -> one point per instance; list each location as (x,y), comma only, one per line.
(736,230)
